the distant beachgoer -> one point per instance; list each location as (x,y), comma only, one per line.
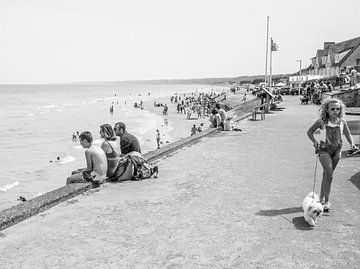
(96,163)
(353,77)
(74,137)
(158,138)
(331,120)
(193,130)
(128,142)
(201,127)
(111,147)
(222,113)
(215,118)
(244,98)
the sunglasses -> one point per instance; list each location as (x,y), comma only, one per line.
(333,108)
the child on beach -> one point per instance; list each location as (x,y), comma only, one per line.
(332,122)
(95,161)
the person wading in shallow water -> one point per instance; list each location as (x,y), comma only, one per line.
(96,163)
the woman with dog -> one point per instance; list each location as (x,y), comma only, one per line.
(332,123)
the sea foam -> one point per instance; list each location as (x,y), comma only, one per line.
(67,159)
(8,187)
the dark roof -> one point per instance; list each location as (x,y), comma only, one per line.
(346,45)
(351,44)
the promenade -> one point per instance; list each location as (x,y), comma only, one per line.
(232,200)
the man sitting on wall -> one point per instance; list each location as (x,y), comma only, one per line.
(96,163)
(128,142)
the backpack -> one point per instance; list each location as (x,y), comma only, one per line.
(142,168)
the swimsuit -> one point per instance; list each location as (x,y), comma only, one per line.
(333,142)
(112,160)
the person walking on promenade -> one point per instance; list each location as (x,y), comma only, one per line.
(332,123)
(128,142)
(111,147)
(96,163)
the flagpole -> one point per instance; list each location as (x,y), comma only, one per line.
(267,49)
(271,49)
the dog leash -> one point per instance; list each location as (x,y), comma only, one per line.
(316,162)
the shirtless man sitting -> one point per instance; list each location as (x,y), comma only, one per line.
(95,161)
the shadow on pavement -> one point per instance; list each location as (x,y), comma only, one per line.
(277,212)
(301,224)
(355,179)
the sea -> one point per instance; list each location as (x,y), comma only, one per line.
(37,123)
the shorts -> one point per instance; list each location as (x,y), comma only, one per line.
(86,176)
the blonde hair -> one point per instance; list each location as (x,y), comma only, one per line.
(323,111)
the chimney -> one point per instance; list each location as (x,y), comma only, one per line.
(328,44)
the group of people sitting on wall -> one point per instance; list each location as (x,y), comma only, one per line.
(119,157)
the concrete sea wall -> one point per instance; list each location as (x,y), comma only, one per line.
(22,211)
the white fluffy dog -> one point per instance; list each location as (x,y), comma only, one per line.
(313,209)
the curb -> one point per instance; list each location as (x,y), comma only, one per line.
(22,211)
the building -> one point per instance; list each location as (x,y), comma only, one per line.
(334,58)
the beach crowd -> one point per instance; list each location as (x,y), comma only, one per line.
(119,156)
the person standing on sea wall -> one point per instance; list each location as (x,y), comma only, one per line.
(96,163)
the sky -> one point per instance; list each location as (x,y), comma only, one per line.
(62,41)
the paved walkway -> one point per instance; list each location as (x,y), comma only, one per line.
(230,201)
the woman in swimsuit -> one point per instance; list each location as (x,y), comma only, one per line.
(111,147)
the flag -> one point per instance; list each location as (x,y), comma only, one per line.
(274,47)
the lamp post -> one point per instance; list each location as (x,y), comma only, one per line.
(299,75)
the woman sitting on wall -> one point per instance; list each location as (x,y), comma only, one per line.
(111,147)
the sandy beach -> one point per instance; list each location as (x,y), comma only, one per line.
(178,125)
